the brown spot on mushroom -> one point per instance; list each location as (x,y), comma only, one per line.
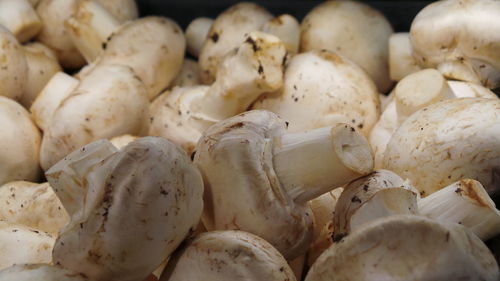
(355,199)
(252,42)
(469,189)
(214,37)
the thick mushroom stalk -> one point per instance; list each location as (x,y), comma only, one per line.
(196,33)
(256,67)
(460,39)
(406,247)
(40,272)
(252,150)
(465,202)
(237,256)
(19,17)
(13,66)
(137,205)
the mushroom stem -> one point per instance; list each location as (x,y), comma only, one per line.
(19,17)
(315,162)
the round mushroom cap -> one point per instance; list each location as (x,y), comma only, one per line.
(459,38)
(447,141)
(19,143)
(13,66)
(39,272)
(354,30)
(321,89)
(242,190)
(228,256)
(406,247)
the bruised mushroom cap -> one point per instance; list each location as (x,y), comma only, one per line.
(39,272)
(337,89)
(138,205)
(354,30)
(19,143)
(459,38)
(447,141)
(33,205)
(228,31)
(406,248)
(226,256)
(272,214)
(13,66)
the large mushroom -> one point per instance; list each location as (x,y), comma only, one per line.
(269,175)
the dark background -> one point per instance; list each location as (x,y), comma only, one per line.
(399,13)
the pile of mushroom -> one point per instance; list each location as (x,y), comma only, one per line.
(249,146)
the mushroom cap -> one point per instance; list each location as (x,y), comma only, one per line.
(250,197)
(87,115)
(228,256)
(447,141)
(33,205)
(122,10)
(19,143)
(228,31)
(39,272)
(13,66)
(460,38)
(336,88)
(406,248)
(152,46)
(141,202)
(354,30)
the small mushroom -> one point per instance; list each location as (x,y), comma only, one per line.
(39,272)
(460,39)
(256,67)
(19,143)
(13,66)
(189,74)
(465,202)
(337,89)
(354,30)
(448,141)
(228,256)
(19,17)
(130,209)
(270,175)
(401,61)
(33,205)
(287,29)
(406,247)
(196,33)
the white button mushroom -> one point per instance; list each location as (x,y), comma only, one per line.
(287,29)
(401,60)
(40,272)
(122,10)
(354,30)
(33,205)
(134,207)
(196,33)
(228,256)
(13,66)
(19,17)
(407,248)
(189,74)
(460,39)
(19,143)
(322,88)
(269,175)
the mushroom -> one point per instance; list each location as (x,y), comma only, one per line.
(379,194)
(130,209)
(19,17)
(249,71)
(122,10)
(450,36)
(228,31)
(13,66)
(87,115)
(337,89)
(196,33)
(228,256)
(20,244)
(448,141)
(401,61)
(33,205)
(42,66)
(465,202)
(270,175)
(354,30)
(189,74)
(39,272)
(406,247)
(286,28)
(19,143)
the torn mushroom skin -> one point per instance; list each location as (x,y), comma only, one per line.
(237,256)
(449,36)
(196,33)
(20,18)
(434,249)
(13,66)
(40,272)
(131,208)
(256,67)
(353,29)
(337,89)
(272,174)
